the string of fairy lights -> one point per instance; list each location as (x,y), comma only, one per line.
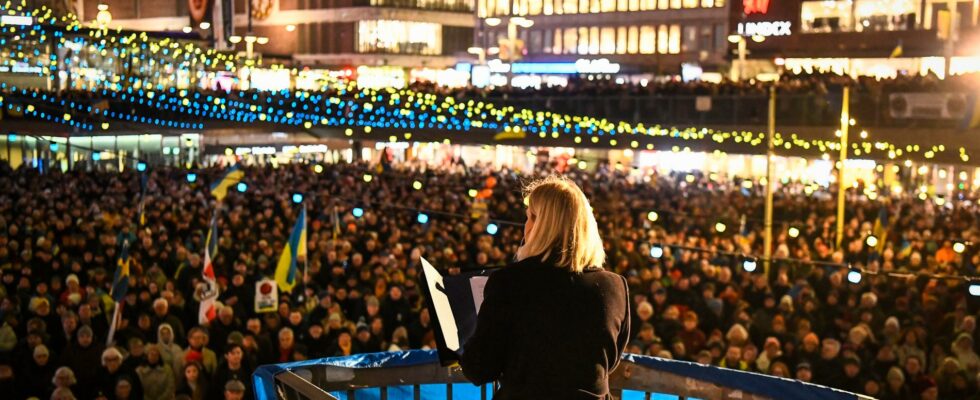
(344,105)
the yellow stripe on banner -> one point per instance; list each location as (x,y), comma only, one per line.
(975,118)
(221,190)
(282,270)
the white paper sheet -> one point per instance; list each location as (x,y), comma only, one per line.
(477,283)
(444,312)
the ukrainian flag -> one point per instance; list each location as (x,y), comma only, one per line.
(295,247)
(220,188)
(120,281)
(881,229)
(972,117)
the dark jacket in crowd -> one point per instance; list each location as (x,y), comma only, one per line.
(547,333)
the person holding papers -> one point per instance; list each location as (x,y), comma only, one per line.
(554,324)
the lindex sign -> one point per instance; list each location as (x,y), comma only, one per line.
(766,17)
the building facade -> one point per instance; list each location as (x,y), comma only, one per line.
(326,33)
(643,36)
(881,38)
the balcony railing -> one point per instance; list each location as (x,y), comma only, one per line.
(740,110)
(418,375)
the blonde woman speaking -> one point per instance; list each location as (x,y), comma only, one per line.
(554,324)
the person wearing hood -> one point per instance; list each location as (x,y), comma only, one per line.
(170,352)
(962,348)
(156,376)
(82,355)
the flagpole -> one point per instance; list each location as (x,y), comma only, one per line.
(112,327)
(306,257)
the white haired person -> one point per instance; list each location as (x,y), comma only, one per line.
(554,324)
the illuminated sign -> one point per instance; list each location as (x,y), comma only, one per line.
(767,28)
(581,66)
(755,6)
(22,20)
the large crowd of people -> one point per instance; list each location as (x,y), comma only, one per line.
(904,336)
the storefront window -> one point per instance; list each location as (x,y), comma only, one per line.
(583,40)
(663,4)
(399,37)
(690,3)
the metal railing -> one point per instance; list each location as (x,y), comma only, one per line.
(637,377)
(869,110)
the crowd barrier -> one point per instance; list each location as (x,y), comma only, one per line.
(417,374)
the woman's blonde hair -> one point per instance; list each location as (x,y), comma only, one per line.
(564,227)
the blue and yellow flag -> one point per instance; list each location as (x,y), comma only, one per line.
(219,189)
(120,281)
(295,247)
(971,119)
(881,229)
(897,51)
(142,210)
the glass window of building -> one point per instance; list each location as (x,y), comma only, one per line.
(571,41)
(719,3)
(607,40)
(704,41)
(548,8)
(675,4)
(707,3)
(634,5)
(570,6)
(633,40)
(608,5)
(534,6)
(691,3)
(595,6)
(648,39)
(690,42)
(559,38)
(663,40)
(547,45)
(621,40)
(675,39)
(583,40)
(481,8)
(826,16)
(663,4)
(583,6)
(885,15)
(622,5)
(399,37)
(594,40)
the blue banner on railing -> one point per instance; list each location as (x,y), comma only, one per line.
(758,384)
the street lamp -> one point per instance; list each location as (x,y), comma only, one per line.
(739,73)
(104,17)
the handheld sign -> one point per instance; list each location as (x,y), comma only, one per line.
(266,296)
(453,301)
